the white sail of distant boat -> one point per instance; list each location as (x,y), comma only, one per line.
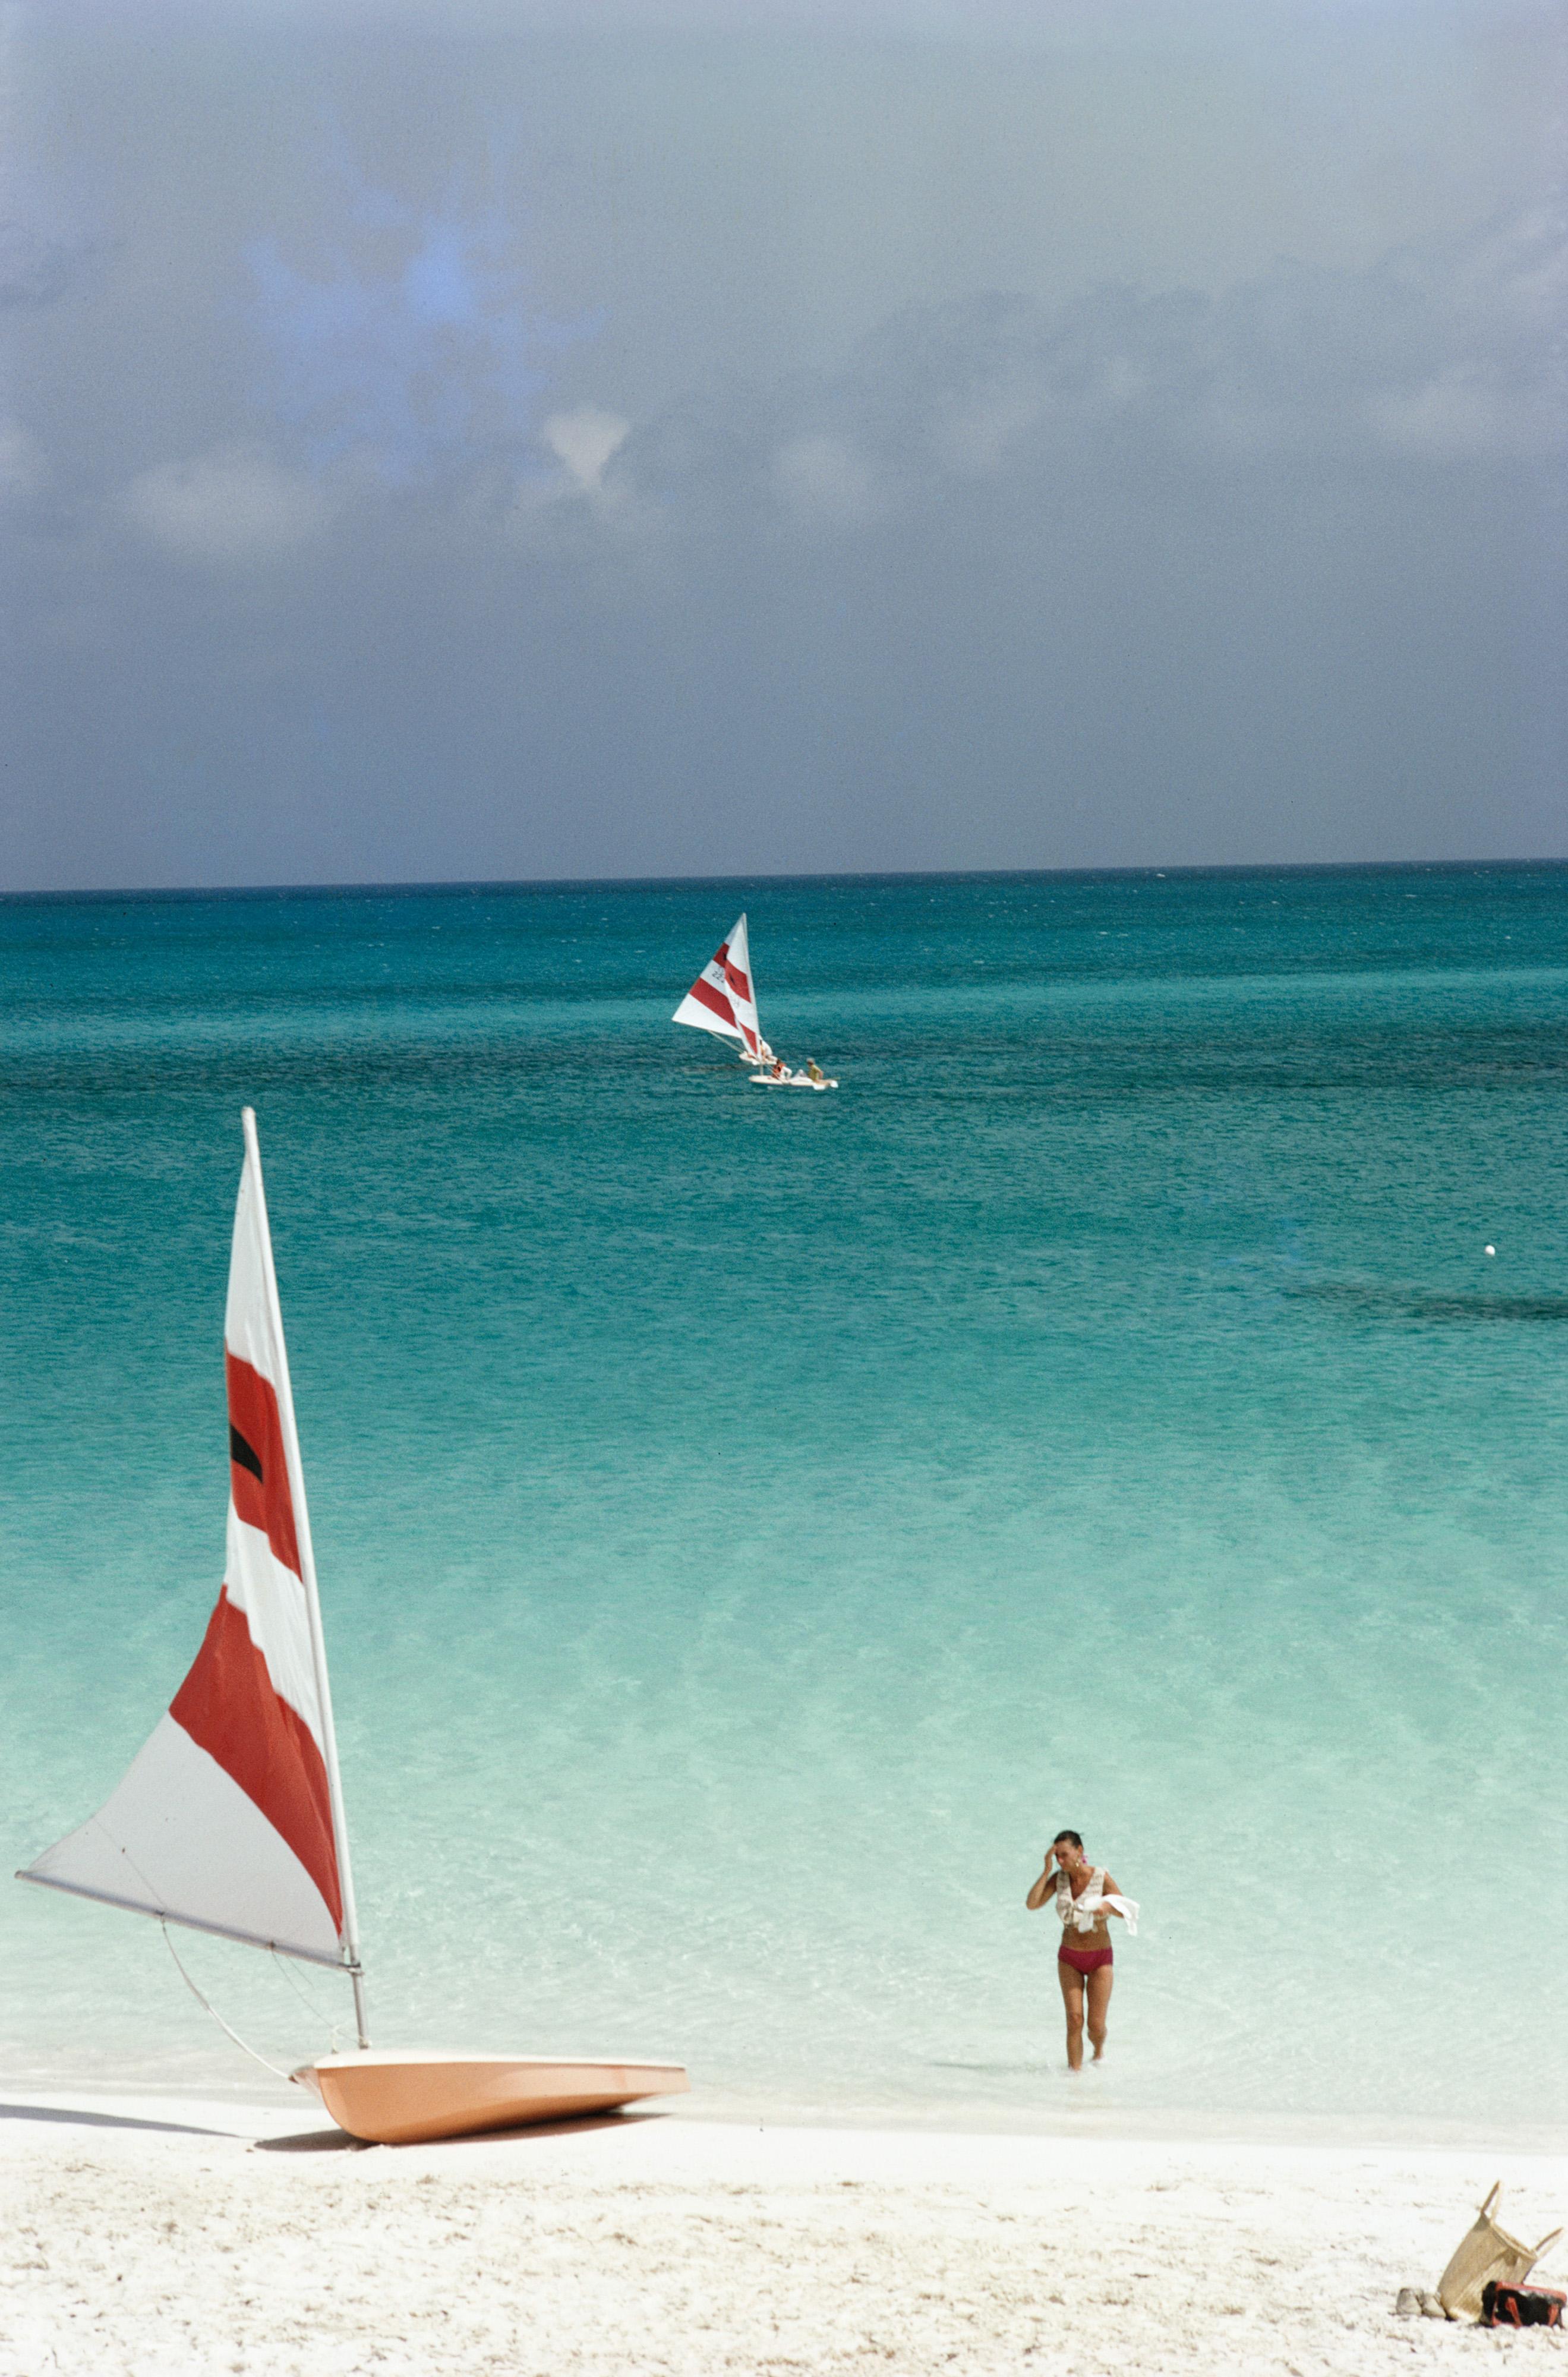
(230,1819)
(723,1000)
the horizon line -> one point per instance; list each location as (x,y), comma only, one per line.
(412,887)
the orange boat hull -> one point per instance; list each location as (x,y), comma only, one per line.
(400,2098)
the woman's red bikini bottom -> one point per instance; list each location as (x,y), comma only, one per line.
(1086,1960)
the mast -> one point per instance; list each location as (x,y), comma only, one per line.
(313,1597)
(743,935)
(760,1057)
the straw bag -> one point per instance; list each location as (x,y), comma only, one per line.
(1485,2252)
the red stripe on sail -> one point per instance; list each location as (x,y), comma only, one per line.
(738,984)
(706,996)
(230,1709)
(258,1475)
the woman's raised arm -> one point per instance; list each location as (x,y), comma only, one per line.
(1041,1890)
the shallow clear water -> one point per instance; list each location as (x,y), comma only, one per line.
(750,1524)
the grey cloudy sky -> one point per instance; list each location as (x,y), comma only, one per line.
(521,441)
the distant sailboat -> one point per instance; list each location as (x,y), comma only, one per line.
(230,1819)
(723,1000)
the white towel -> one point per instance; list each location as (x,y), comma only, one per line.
(1086,1909)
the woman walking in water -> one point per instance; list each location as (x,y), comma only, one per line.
(1085,1899)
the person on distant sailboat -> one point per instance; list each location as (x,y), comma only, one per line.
(1086,1898)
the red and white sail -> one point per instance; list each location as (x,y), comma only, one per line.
(723,998)
(228,1818)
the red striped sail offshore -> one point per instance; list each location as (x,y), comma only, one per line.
(229,1818)
(723,998)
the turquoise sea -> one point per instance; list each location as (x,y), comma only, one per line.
(750,1524)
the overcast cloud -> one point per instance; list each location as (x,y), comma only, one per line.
(737,441)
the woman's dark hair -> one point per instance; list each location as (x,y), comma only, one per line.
(1077,1839)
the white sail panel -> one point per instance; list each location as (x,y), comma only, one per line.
(178,1837)
(251,1328)
(235,1832)
(276,1618)
(723,998)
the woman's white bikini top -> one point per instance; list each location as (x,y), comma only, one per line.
(1082,1913)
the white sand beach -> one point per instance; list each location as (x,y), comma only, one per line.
(171,2238)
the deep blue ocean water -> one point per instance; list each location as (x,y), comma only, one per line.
(750,1524)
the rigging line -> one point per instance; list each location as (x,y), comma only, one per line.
(212,2010)
(164,1926)
(305,1999)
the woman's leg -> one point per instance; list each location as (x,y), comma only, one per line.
(1100,1982)
(1072,1998)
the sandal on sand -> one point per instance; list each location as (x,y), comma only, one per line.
(1431,2307)
(1408,2303)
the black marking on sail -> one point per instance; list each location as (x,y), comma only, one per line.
(245,1455)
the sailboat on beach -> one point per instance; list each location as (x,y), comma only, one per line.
(723,1000)
(230,1819)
